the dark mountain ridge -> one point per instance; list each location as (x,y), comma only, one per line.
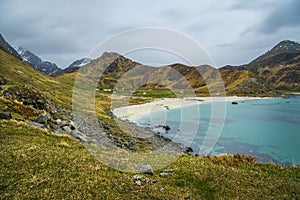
(278,67)
(74,66)
(45,67)
(8,48)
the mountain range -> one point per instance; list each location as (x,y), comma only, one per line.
(277,69)
(45,67)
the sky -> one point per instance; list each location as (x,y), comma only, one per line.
(231,31)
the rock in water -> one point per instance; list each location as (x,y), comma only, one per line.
(188,150)
(5,115)
(234,103)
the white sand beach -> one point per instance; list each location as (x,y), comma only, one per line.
(134,112)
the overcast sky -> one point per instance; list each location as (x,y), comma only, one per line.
(231,31)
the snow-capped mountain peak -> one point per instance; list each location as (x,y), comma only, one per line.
(45,67)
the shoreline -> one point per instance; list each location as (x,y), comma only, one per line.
(134,112)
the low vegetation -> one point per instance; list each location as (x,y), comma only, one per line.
(39,165)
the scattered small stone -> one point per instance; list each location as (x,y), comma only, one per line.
(138,182)
(166,172)
(169,170)
(138,177)
(57,121)
(154,181)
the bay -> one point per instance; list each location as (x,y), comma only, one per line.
(268,129)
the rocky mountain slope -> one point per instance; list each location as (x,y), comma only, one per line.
(124,74)
(74,66)
(9,49)
(279,67)
(45,67)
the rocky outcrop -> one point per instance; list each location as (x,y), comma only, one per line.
(29,97)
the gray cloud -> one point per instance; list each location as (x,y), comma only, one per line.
(233,32)
(286,15)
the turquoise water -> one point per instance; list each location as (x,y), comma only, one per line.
(266,128)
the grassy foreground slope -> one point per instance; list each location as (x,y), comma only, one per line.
(39,165)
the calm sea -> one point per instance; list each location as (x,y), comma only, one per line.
(266,128)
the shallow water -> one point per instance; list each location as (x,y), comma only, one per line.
(266,128)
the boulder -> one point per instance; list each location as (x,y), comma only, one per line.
(145,168)
(234,103)
(57,121)
(72,125)
(35,124)
(5,115)
(166,127)
(188,150)
(67,129)
(42,119)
